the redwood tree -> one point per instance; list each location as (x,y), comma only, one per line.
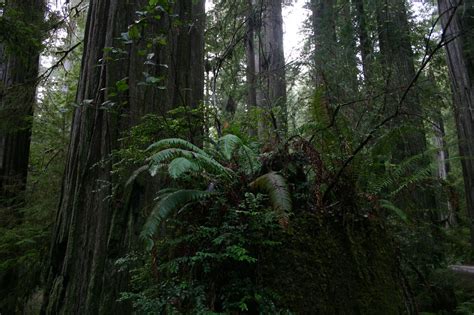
(19,63)
(266,72)
(457,18)
(97,221)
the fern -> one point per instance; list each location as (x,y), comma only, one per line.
(275,186)
(229,144)
(398,175)
(136,173)
(182,165)
(390,206)
(199,161)
(170,202)
(176,143)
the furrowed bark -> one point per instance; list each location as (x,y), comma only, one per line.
(99,220)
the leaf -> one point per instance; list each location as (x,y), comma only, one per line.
(168,204)
(176,143)
(227,144)
(136,173)
(181,165)
(275,186)
(202,160)
(390,206)
(122,85)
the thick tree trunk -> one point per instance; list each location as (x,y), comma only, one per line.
(399,71)
(399,67)
(324,36)
(266,72)
(457,18)
(19,63)
(18,78)
(98,222)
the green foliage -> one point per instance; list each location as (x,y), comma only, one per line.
(170,202)
(275,186)
(195,234)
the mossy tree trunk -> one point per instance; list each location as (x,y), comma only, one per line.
(97,221)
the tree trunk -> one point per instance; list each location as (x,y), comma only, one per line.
(399,71)
(19,64)
(270,70)
(251,69)
(365,45)
(18,79)
(98,220)
(324,37)
(442,169)
(399,67)
(458,21)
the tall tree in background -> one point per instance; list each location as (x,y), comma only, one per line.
(96,224)
(250,53)
(266,73)
(401,98)
(365,45)
(19,63)
(21,25)
(399,71)
(272,66)
(457,18)
(323,20)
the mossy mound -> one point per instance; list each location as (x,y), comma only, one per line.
(329,267)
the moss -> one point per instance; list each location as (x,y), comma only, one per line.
(327,267)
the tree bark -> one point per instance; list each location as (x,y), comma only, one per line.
(250,59)
(399,71)
(18,78)
(266,72)
(98,220)
(458,22)
(398,62)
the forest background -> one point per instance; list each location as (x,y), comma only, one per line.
(257,156)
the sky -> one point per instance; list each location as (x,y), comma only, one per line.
(293,19)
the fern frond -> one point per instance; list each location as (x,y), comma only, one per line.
(182,165)
(176,143)
(230,144)
(202,161)
(275,186)
(136,173)
(168,204)
(227,145)
(390,206)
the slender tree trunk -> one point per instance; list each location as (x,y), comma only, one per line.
(442,169)
(98,220)
(251,69)
(18,79)
(457,18)
(365,45)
